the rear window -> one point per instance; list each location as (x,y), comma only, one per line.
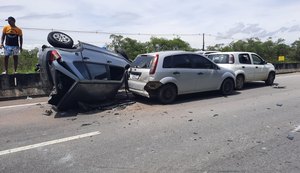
(142,61)
(219,58)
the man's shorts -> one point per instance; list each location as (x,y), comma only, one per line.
(11,50)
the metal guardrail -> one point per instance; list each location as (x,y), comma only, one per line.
(287,67)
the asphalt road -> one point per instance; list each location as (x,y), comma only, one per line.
(254,130)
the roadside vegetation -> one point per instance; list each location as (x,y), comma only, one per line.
(269,50)
(27,62)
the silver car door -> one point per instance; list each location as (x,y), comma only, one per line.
(208,78)
(245,64)
(183,72)
(260,71)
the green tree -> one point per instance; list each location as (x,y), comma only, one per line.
(295,50)
(133,47)
(162,44)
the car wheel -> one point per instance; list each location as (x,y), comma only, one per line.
(59,39)
(239,82)
(227,86)
(271,78)
(167,93)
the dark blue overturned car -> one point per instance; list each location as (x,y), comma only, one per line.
(79,73)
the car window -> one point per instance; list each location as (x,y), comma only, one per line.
(219,58)
(182,61)
(82,69)
(244,59)
(168,62)
(256,59)
(200,62)
(97,71)
(142,61)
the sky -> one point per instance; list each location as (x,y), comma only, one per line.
(93,21)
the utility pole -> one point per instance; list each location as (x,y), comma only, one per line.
(203,45)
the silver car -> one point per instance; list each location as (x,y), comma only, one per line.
(164,75)
(248,66)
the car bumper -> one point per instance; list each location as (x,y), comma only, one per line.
(137,87)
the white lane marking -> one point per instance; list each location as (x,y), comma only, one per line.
(297,129)
(28,147)
(15,106)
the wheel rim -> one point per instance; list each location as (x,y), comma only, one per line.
(168,94)
(61,38)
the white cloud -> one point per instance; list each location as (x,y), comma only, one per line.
(222,21)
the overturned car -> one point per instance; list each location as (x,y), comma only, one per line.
(79,73)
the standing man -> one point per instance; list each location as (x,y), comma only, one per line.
(13,43)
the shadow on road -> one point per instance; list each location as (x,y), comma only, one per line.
(121,101)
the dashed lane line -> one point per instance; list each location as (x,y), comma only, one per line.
(28,147)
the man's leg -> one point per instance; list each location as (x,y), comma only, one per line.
(5,64)
(16,57)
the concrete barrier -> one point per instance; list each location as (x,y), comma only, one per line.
(23,85)
(20,85)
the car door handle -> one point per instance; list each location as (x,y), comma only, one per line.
(85,58)
(243,66)
(176,72)
(108,62)
(256,67)
(200,73)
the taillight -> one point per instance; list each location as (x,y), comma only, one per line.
(231,59)
(54,56)
(154,64)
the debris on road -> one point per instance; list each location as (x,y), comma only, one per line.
(279,105)
(215,115)
(279,87)
(29,98)
(72,119)
(87,124)
(291,134)
(48,112)
(190,120)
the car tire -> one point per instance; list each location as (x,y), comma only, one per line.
(227,86)
(59,39)
(239,82)
(270,79)
(167,93)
